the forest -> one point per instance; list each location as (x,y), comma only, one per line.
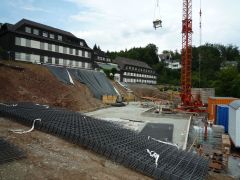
(219,66)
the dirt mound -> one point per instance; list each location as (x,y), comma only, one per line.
(142,90)
(34,83)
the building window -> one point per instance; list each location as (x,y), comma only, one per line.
(27,29)
(83,64)
(35,44)
(17,56)
(59,37)
(56,61)
(53,47)
(81,43)
(60,61)
(41,45)
(49,60)
(49,47)
(80,53)
(64,50)
(70,62)
(44,34)
(67,50)
(17,41)
(41,59)
(60,49)
(76,52)
(36,31)
(28,57)
(56,48)
(64,62)
(76,64)
(86,54)
(51,36)
(80,64)
(70,50)
(28,43)
(35,58)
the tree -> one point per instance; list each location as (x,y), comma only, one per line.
(95,47)
(226,82)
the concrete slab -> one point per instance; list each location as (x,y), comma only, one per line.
(131,117)
(162,132)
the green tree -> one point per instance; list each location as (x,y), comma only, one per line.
(226,82)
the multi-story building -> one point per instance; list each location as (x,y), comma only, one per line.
(135,71)
(37,43)
(100,56)
(169,62)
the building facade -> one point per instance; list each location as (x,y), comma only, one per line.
(100,56)
(135,71)
(37,43)
(169,62)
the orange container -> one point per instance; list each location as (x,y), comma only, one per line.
(212,102)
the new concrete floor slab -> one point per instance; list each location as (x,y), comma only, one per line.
(131,117)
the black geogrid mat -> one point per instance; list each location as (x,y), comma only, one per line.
(9,152)
(120,145)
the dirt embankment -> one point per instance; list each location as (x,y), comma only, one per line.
(34,83)
(142,90)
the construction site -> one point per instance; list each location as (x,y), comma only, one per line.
(63,121)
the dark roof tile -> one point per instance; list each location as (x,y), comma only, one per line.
(42,26)
(122,61)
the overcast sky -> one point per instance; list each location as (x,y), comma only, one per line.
(119,24)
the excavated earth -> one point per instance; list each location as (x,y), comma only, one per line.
(34,83)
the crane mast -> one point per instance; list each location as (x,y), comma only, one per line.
(186,80)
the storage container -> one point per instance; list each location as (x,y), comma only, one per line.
(234,122)
(213,101)
(222,112)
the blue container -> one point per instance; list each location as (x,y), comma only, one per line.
(222,112)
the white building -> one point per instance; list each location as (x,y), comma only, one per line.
(234,122)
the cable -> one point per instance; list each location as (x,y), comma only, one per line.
(21,131)
(200,43)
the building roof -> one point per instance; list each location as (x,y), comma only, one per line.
(230,63)
(235,104)
(42,26)
(108,66)
(122,61)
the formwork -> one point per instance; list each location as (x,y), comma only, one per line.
(109,99)
(212,102)
(112,141)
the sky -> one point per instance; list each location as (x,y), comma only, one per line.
(117,25)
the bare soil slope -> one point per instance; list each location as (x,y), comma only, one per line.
(34,83)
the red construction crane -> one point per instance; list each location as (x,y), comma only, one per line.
(186,71)
(186,79)
(188,103)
